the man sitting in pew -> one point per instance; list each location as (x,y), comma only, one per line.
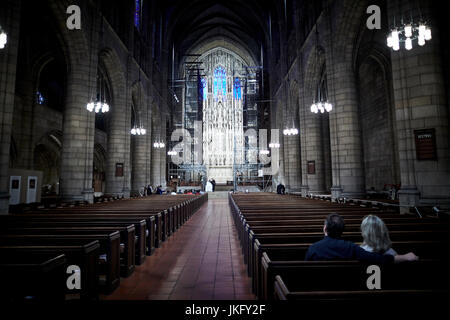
(333,247)
(376,236)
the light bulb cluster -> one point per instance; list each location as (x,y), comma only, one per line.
(321,107)
(97,107)
(138,131)
(172,153)
(274,145)
(290,132)
(3,38)
(264,152)
(159,145)
(407,33)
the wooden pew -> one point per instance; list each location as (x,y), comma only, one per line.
(83,220)
(378,297)
(312,237)
(276,258)
(84,256)
(127,237)
(345,276)
(109,246)
(40,277)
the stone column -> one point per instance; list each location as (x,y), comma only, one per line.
(78,136)
(149,143)
(421,103)
(163,153)
(346,149)
(314,152)
(139,171)
(119,132)
(285,159)
(303,112)
(156,152)
(10,20)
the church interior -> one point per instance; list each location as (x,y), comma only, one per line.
(198,150)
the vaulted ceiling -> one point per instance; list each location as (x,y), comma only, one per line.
(244,23)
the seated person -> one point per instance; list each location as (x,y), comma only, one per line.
(376,236)
(281,189)
(159,190)
(332,247)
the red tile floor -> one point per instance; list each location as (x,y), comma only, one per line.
(201,261)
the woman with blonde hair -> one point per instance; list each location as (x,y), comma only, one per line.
(376,236)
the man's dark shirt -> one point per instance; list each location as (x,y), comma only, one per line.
(338,249)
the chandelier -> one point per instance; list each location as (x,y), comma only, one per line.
(274,145)
(158,145)
(290,132)
(97,106)
(264,151)
(138,131)
(321,106)
(100,104)
(172,153)
(3,38)
(407,33)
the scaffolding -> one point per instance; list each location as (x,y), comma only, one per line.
(247,173)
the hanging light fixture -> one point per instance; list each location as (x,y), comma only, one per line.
(172,153)
(138,131)
(100,105)
(320,103)
(321,107)
(290,132)
(274,145)
(3,38)
(408,32)
(159,145)
(264,152)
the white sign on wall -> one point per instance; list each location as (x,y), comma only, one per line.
(32,189)
(14,189)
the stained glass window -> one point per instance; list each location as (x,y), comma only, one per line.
(137,14)
(220,82)
(204,88)
(237,89)
(40,98)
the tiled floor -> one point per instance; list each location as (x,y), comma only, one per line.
(201,261)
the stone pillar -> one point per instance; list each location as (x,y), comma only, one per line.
(10,20)
(149,147)
(139,163)
(140,151)
(285,159)
(119,148)
(303,112)
(293,162)
(421,103)
(346,149)
(163,153)
(314,152)
(78,136)
(156,152)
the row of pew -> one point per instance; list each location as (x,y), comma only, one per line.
(275,232)
(105,240)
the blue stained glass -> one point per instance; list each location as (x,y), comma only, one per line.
(220,82)
(237,89)
(40,98)
(137,14)
(204,88)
